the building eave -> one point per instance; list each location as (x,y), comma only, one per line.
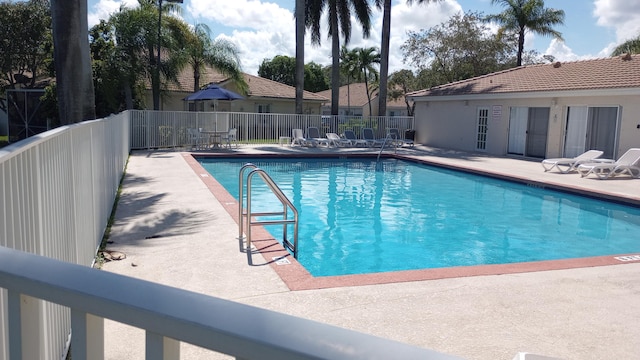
(531,95)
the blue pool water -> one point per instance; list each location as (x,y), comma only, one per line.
(356,217)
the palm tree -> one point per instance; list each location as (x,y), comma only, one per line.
(522,15)
(76,101)
(136,32)
(365,60)
(349,67)
(299,14)
(384,50)
(628,47)
(339,21)
(220,54)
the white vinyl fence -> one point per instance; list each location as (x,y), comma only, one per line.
(168,129)
(57,190)
(56,194)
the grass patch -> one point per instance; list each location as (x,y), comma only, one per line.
(4,141)
(99,259)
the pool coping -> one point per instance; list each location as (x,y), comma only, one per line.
(296,277)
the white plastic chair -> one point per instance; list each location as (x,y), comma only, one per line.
(196,140)
(230,137)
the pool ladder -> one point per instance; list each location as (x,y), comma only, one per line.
(245,214)
(388,137)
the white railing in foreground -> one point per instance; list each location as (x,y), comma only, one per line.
(170,315)
(56,194)
(168,129)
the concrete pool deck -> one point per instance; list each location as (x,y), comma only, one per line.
(174,231)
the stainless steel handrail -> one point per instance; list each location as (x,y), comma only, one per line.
(384,143)
(248,214)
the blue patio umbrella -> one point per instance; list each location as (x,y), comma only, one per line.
(213,92)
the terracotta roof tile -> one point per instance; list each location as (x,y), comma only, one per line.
(356,95)
(350,95)
(607,73)
(272,89)
(258,87)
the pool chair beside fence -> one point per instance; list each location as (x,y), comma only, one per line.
(297,138)
(230,138)
(337,141)
(369,136)
(351,136)
(313,134)
(566,165)
(628,163)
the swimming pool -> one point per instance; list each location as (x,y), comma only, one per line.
(356,217)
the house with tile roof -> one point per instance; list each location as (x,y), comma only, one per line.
(353,101)
(548,110)
(264,96)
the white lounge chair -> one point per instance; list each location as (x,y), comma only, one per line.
(369,136)
(337,141)
(313,134)
(351,136)
(398,140)
(298,138)
(626,164)
(565,165)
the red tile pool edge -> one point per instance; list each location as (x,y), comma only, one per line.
(296,277)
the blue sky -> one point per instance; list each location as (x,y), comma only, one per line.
(263,29)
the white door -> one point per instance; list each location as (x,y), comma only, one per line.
(481,129)
(591,128)
(518,117)
(576,135)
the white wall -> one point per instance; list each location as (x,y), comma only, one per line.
(452,124)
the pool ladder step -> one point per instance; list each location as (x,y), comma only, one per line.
(246,215)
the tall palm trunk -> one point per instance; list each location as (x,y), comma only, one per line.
(74,77)
(366,87)
(300,25)
(384,59)
(196,78)
(335,63)
(520,46)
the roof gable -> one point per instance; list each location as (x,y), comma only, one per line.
(266,88)
(355,95)
(607,73)
(258,87)
(351,95)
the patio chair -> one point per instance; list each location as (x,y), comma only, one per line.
(399,141)
(297,137)
(196,139)
(369,137)
(230,137)
(337,141)
(626,164)
(313,133)
(351,136)
(565,165)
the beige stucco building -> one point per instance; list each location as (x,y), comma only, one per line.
(548,110)
(263,96)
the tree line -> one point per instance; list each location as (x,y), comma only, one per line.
(123,51)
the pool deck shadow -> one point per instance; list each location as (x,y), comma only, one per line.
(572,309)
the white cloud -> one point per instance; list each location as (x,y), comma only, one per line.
(621,15)
(243,14)
(104,8)
(277,36)
(561,52)
(263,29)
